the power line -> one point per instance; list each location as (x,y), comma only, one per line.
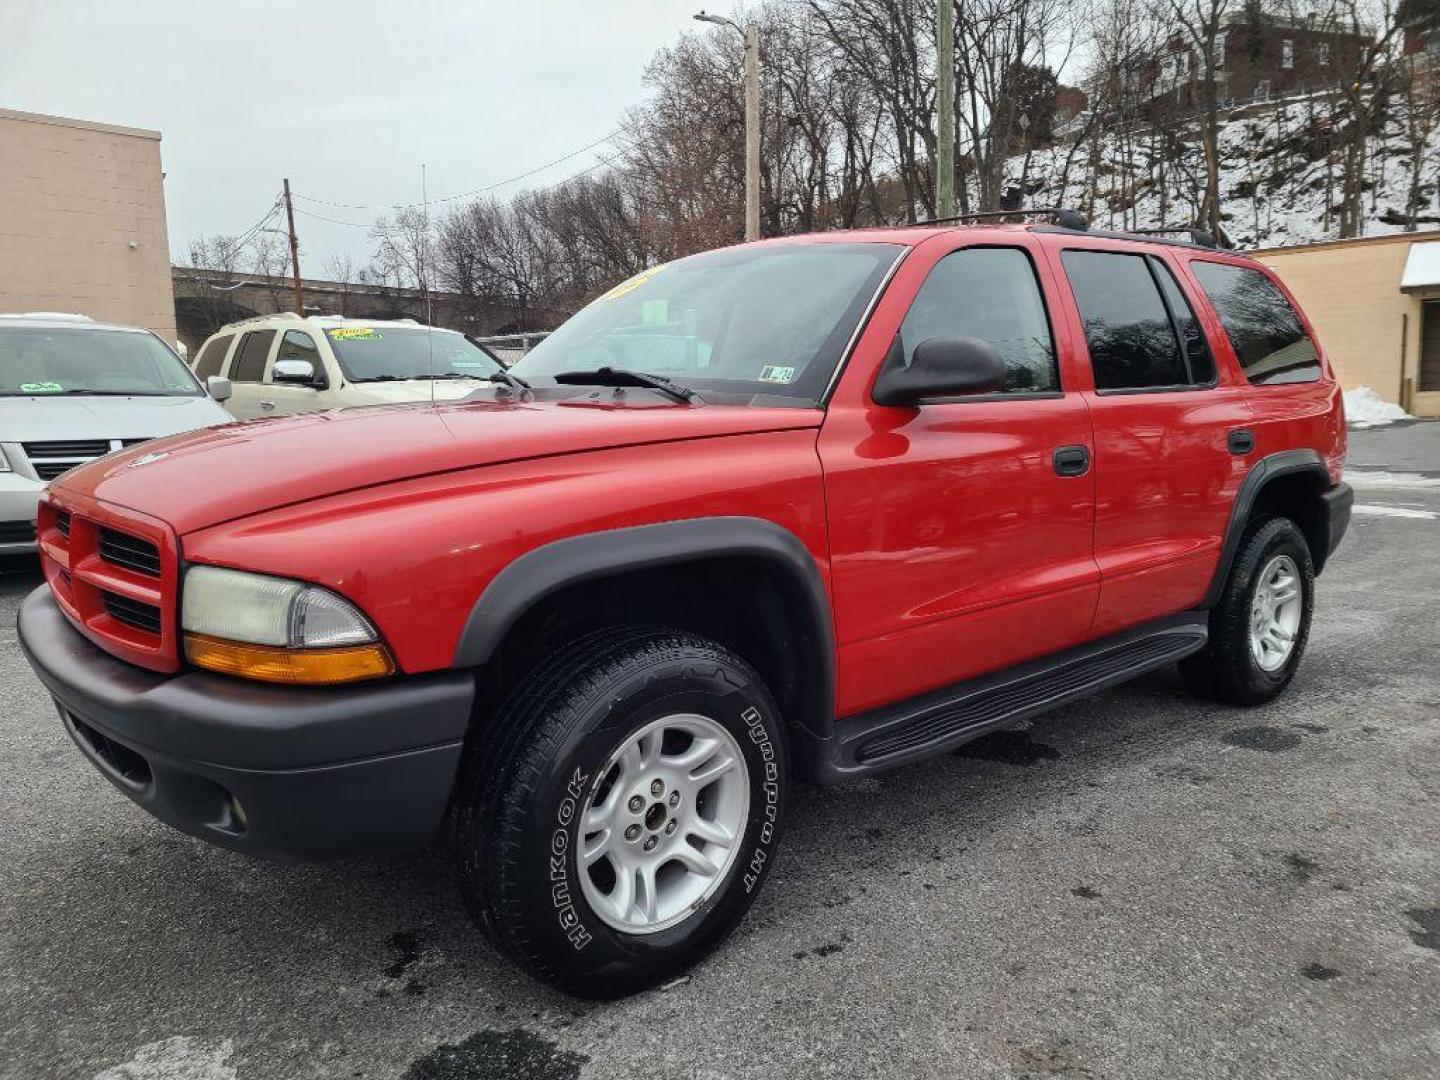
(245,238)
(464,194)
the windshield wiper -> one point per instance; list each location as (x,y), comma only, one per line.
(504,378)
(609,376)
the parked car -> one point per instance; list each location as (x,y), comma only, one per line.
(72,389)
(281,364)
(809,508)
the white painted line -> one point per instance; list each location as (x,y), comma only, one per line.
(1394,512)
(1381,479)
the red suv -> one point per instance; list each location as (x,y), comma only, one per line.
(803,509)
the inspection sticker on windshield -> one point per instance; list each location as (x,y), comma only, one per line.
(355,333)
(770,373)
(41,388)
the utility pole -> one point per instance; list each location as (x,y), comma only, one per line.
(945,107)
(294,253)
(751,36)
(752,132)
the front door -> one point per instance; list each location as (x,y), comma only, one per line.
(283,399)
(957,546)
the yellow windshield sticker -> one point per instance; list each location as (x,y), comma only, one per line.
(631,284)
(41,388)
(355,333)
(770,373)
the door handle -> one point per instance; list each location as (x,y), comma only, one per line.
(268,406)
(1071,460)
(1241,441)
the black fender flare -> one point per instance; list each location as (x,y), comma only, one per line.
(1268,468)
(589,556)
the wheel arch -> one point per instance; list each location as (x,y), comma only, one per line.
(1291,483)
(734,564)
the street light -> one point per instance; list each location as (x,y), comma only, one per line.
(750,34)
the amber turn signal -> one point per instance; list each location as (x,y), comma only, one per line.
(311,667)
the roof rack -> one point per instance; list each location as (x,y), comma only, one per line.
(1059,215)
(1198,237)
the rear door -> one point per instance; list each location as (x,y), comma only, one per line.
(247,367)
(1170,430)
(959,542)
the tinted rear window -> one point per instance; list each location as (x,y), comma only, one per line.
(249,363)
(1264,330)
(1127,327)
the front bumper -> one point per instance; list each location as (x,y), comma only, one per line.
(281,772)
(19,495)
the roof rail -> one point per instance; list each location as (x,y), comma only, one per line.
(1059,215)
(1198,237)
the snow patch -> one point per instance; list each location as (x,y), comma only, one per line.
(1365,408)
(179,1057)
(1368,510)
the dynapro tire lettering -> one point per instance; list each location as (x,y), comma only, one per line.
(760,736)
(564,906)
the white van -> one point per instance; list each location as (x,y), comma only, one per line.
(72,389)
(281,364)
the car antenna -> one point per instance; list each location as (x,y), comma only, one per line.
(425,282)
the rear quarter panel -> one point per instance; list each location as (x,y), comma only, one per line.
(415,555)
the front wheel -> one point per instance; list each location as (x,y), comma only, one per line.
(1259,628)
(629,811)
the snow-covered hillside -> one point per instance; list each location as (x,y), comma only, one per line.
(1276,183)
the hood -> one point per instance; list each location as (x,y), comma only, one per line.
(47,419)
(399,393)
(205,477)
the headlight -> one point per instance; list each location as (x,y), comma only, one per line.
(278,630)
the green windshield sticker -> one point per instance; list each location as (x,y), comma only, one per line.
(631,284)
(770,373)
(41,388)
(655,312)
(355,333)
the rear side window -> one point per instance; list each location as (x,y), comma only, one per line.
(1132,342)
(249,362)
(212,356)
(1192,337)
(990,294)
(1264,330)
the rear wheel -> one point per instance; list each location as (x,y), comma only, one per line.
(1260,626)
(627,812)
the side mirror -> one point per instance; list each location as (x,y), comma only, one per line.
(940,368)
(218,387)
(294,373)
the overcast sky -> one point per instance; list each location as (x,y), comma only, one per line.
(346,97)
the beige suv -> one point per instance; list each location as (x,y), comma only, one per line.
(281,364)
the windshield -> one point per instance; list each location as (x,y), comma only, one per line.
(36,362)
(770,320)
(372,353)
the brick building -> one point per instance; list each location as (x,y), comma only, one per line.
(82,221)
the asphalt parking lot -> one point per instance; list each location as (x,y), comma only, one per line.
(1140,886)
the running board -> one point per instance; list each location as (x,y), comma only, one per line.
(943,719)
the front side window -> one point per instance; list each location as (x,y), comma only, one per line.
(40,362)
(1131,339)
(249,362)
(395,353)
(771,320)
(296,345)
(212,356)
(991,294)
(1268,338)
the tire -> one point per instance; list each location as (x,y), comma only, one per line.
(1228,668)
(570,750)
